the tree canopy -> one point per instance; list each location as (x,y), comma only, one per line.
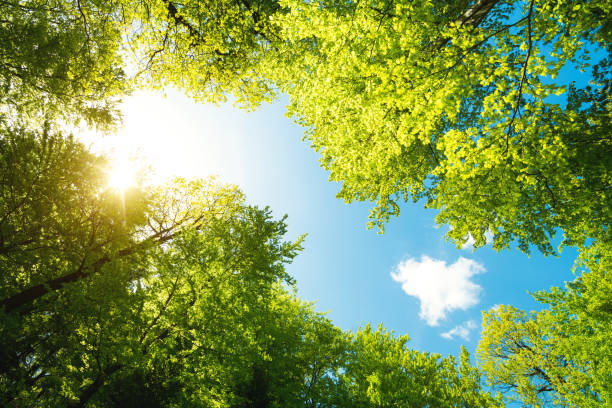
(455,103)
(560,355)
(61,59)
(75,60)
(177,295)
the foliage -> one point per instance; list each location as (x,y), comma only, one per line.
(60,59)
(456,103)
(57,218)
(561,355)
(88,293)
(73,61)
(382,371)
(177,295)
(208,48)
(451,102)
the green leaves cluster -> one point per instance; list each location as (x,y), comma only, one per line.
(385,372)
(60,59)
(209,49)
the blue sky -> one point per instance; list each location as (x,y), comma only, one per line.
(356,275)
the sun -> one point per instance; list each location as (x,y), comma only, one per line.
(122,174)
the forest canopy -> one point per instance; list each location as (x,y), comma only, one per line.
(177,295)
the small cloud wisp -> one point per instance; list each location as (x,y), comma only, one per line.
(463,331)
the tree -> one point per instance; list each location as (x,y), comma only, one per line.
(382,371)
(74,255)
(454,103)
(61,59)
(58,220)
(561,355)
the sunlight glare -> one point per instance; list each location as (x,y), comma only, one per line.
(173,136)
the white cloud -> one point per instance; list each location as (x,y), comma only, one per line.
(440,288)
(463,330)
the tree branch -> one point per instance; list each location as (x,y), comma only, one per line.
(472,17)
(90,390)
(193,31)
(26,296)
(523,78)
